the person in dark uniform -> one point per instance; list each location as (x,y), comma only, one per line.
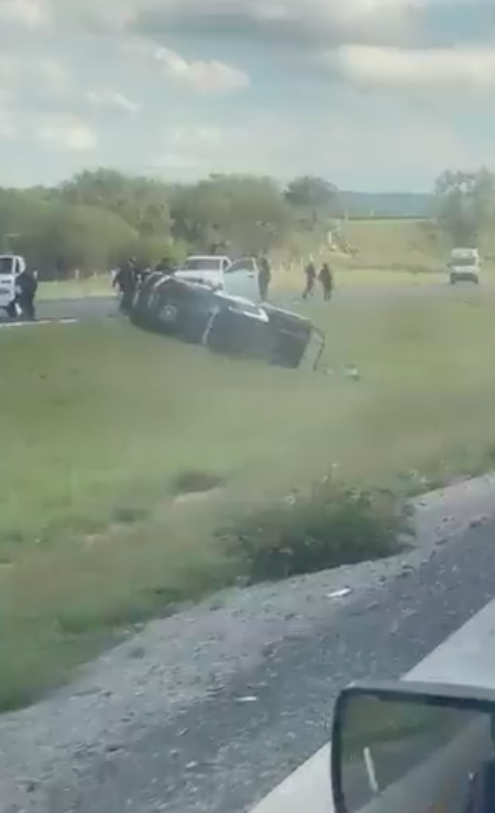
(264,278)
(310,272)
(28,285)
(326,279)
(126,280)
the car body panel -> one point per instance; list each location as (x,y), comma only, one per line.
(233,325)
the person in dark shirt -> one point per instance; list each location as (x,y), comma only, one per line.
(126,281)
(326,279)
(28,285)
(264,278)
(310,272)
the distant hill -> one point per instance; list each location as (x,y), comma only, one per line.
(388,204)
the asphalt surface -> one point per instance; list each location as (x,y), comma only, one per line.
(101,307)
(222,755)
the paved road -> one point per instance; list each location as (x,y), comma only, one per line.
(99,307)
(82,309)
(224,756)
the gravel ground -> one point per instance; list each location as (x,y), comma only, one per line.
(207,710)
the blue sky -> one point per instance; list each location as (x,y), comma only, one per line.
(371,94)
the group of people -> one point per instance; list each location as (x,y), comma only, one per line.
(130,274)
(324,276)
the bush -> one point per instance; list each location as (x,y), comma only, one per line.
(328,526)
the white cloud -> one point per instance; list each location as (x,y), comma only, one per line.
(280,20)
(29,14)
(9,70)
(33,73)
(387,68)
(7,121)
(340,146)
(206,77)
(51,76)
(112,99)
(68,133)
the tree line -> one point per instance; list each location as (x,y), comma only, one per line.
(98,218)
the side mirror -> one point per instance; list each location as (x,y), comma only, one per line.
(413,748)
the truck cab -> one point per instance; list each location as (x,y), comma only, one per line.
(464,265)
(239,278)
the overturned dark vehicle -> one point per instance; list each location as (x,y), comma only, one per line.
(198,314)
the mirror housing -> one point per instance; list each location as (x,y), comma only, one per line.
(402,746)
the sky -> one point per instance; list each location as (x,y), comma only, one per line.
(372,95)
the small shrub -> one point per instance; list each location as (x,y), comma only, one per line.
(129,515)
(195,482)
(331,525)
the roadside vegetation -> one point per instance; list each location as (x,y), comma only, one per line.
(87,225)
(137,473)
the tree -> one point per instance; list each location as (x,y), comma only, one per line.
(96,218)
(465,203)
(141,202)
(86,238)
(313,195)
(245,213)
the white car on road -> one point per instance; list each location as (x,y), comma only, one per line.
(464,265)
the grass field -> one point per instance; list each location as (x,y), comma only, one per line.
(98,285)
(103,426)
(385,252)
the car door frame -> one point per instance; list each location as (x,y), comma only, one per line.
(247,283)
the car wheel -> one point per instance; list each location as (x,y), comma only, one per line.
(169,313)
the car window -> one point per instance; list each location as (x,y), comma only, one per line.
(203,264)
(7,265)
(245,264)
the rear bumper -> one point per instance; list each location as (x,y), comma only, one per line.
(464,276)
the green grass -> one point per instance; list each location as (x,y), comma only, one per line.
(385,252)
(104,425)
(98,285)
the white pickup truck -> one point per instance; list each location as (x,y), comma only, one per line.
(464,265)
(238,278)
(11,268)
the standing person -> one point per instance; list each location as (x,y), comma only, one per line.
(310,272)
(327,282)
(264,278)
(28,285)
(125,279)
